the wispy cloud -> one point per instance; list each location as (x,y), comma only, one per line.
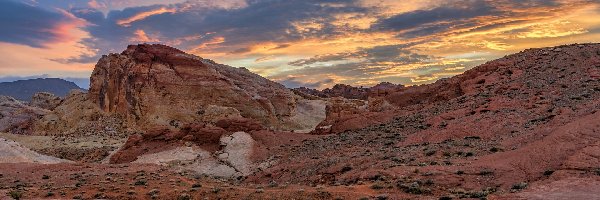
(311,42)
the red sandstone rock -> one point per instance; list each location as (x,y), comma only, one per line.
(160,85)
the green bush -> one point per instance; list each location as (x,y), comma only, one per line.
(15,194)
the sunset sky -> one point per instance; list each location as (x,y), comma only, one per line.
(295,42)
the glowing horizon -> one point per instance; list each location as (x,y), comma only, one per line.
(297,43)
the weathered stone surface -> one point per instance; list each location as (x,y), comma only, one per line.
(45,100)
(77,115)
(160,85)
(17,117)
(13,152)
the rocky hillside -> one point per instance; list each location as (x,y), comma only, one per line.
(521,127)
(23,90)
(525,119)
(348,91)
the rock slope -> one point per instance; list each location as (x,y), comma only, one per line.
(17,117)
(13,152)
(521,119)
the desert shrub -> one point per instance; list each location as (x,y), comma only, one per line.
(346,169)
(430,153)
(429,182)
(15,194)
(377,186)
(414,188)
(486,172)
(519,186)
(141,182)
(184,196)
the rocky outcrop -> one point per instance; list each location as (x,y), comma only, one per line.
(17,117)
(338,90)
(45,100)
(350,92)
(78,116)
(160,85)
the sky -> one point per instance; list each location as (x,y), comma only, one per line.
(311,43)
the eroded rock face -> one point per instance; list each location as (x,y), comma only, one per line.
(45,100)
(237,152)
(160,85)
(77,115)
(17,117)
(351,92)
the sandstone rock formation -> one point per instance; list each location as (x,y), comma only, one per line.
(78,116)
(17,117)
(351,92)
(45,100)
(160,85)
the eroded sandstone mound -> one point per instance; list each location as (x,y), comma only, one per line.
(18,117)
(160,85)
(45,100)
(350,92)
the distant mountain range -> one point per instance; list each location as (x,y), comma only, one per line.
(24,89)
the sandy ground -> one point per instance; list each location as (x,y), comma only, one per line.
(13,152)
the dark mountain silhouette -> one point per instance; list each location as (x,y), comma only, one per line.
(24,89)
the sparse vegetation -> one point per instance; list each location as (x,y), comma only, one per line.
(15,194)
(519,186)
(495,149)
(486,172)
(45,177)
(430,153)
(472,138)
(141,182)
(377,186)
(413,188)
(184,196)
(548,172)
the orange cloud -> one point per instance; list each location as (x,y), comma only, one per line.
(141,36)
(143,15)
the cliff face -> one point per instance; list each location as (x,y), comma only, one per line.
(160,85)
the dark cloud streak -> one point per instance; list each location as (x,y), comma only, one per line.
(28,25)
